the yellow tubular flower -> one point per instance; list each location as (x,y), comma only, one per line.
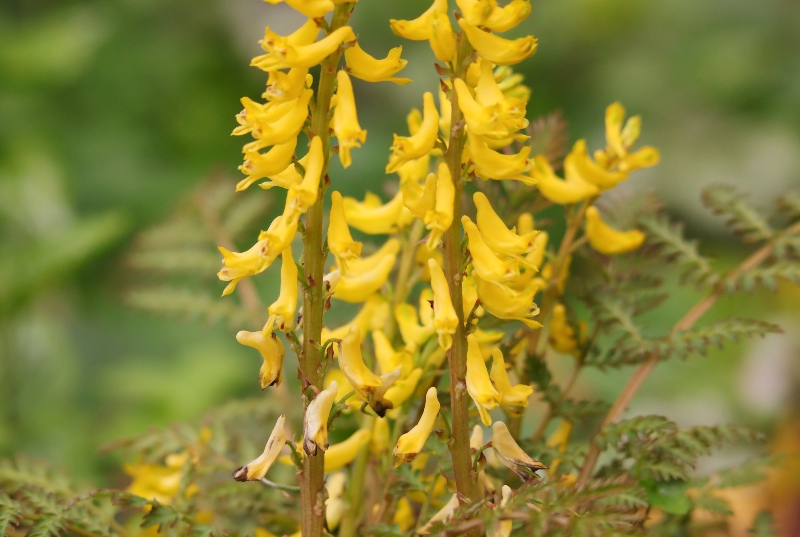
(379,444)
(387,357)
(413,333)
(302,196)
(420,200)
(488,14)
(496,49)
(559,439)
(313,9)
(438,220)
(376,218)
(562,336)
(363,66)
(352,364)
(407,148)
(410,444)
(443,515)
(495,233)
(282,87)
(479,386)
(511,455)
(345,122)
(571,190)
(340,242)
(315,423)
(288,177)
(272,351)
(281,312)
(621,139)
(445,111)
(607,240)
(445,320)
(340,455)
(256,469)
(282,53)
(238,265)
(361,283)
(155,481)
(260,165)
(403,514)
(506,303)
(279,235)
(374,313)
(490,164)
(579,163)
(335,504)
(402,390)
(512,398)
(486,263)
(288,121)
(365,264)
(442,40)
(418,29)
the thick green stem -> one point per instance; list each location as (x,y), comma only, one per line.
(457,354)
(312,478)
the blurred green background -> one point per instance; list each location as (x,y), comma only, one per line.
(113,112)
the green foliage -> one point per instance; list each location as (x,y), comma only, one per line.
(740,216)
(763,525)
(667,239)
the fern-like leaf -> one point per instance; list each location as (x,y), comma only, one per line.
(740,216)
(667,238)
(716,333)
(10,513)
(789,205)
(765,276)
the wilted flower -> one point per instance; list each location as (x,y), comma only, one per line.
(257,469)
(272,351)
(511,455)
(315,424)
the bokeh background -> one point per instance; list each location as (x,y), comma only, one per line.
(115,118)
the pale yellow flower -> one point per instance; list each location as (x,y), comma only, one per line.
(475,444)
(258,165)
(496,49)
(443,515)
(419,200)
(411,443)
(282,311)
(272,351)
(511,455)
(559,439)
(335,504)
(361,378)
(414,332)
(445,320)
(256,469)
(608,240)
(479,385)
(315,422)
(562,336)
(297,49)
(363,66)
(379,443)
(340,455)
(402,390)
(403,514)
(407,148)
(513,399)
(374,217)
(340,241)
(345,121)
(388,357)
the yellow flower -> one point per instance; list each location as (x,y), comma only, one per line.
(297,49)
(445,113)
(256,469)
(272,351)
(486,263)
(415,333)
(303,195)
(340,455)
(279,123)
(373,314)
(442,40)
(387,357)
(490,164)
(512,398)
(315,423)
(257,165)
(440,218)
(489,113)
(559,439)
(411,443)
(376,218)
(404,514)
(313,9)
(479,386)
(334,374)
(562,336)
(443,515)
(345,121)
(155,481)
(572,189)
(506,303)
(363,66)
(366,277)
(620,140)
(238,265)
(496,49)
(419,29)
(495,233)
(608,240)
(511,455)
(407,148)
(335,504)
(420,200)
(288,177)
(379,444)
(340,242)
(579,163)
(445,320)
(352,364)
(288,86)
(488,14)
(402,390)
(281,312)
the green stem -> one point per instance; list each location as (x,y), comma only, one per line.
(466,484)
(312,478)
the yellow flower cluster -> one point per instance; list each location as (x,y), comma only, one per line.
(425,302)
